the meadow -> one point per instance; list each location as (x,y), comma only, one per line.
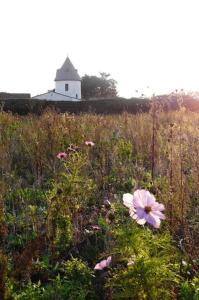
(66,229)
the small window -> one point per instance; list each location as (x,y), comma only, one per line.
(66,87)
(76,96)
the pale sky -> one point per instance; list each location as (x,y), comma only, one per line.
(141,43)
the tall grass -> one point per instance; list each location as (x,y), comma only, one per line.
(47,204)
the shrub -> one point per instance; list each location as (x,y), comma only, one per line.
(73,284)
(147,264)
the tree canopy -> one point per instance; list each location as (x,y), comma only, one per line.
(98,87)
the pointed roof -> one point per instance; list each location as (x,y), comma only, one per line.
(67,72)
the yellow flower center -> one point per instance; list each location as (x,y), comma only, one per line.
(147,209)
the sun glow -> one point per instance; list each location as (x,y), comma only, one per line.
(140,43)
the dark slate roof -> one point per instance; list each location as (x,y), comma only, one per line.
(5,96)
(67,72)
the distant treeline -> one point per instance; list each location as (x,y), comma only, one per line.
(103,106)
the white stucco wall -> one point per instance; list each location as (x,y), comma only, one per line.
(74,87)
(51,96)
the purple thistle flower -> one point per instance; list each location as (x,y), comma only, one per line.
(103,264)
(144,208)
(61,155)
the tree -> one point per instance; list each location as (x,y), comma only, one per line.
(98,87)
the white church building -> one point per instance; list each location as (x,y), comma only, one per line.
(67,85)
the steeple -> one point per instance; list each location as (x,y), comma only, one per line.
(67,72)
(67,85)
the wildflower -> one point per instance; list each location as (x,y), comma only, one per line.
(144,208)
(89,143)
(131,260)
(88,232)
(72,148)
(103,264)
(61,155)
(184,263)
(95,227)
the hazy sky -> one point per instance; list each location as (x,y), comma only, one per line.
(141,43)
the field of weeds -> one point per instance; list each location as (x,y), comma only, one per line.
(69,228)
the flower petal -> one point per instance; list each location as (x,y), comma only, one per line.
(140,198)
(153,220)
(158,206)
(140,212)
(108,261)
(133,214)
(158,214)
(128,200)
(101,265)
(141,221)
(150,199)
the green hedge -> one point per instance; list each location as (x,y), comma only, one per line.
(106,106)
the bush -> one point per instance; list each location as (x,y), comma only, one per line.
(107,106)
(73,284)
(147,264)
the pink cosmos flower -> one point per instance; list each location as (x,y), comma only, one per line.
(144,208)
(89,143)
(61,155)
(103,264)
